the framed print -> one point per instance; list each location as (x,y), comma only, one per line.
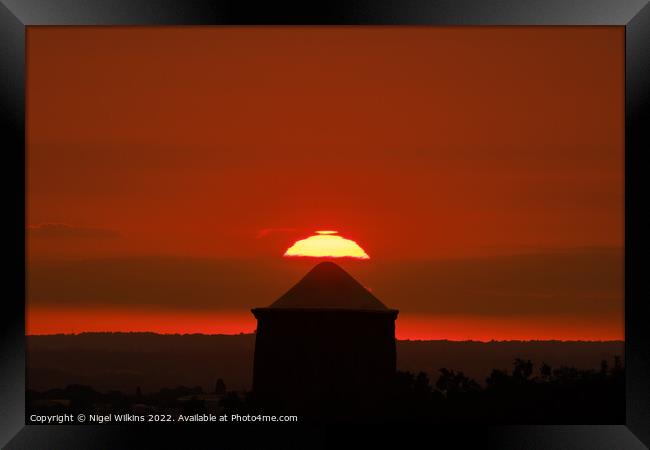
(256,220)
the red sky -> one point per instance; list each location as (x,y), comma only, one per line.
(480,168)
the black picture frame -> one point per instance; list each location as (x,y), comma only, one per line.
(16,15)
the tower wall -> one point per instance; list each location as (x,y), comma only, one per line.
(310,358)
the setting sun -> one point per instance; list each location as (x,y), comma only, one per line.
(327,244)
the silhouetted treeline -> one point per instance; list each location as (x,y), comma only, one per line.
(525,394)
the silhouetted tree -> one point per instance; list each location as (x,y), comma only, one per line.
(421,385)
(523,369)
(220,387)
(451,383)
(498,378)
(604,367)
(545,371)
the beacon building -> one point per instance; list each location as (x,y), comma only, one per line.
(327,345)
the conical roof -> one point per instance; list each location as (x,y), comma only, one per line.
(329,286)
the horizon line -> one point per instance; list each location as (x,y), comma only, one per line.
(402,340)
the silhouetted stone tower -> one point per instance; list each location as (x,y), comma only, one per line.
(327,344)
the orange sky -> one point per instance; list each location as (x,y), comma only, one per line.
(163,153)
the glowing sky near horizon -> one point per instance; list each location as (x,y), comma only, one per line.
(170,168)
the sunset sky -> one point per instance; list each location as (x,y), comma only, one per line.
(170,168)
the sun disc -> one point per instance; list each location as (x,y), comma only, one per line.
(326,244)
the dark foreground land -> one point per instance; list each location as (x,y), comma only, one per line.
(124,361)
(437,381)
(522,395)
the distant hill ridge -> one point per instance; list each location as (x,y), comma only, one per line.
(153,333)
